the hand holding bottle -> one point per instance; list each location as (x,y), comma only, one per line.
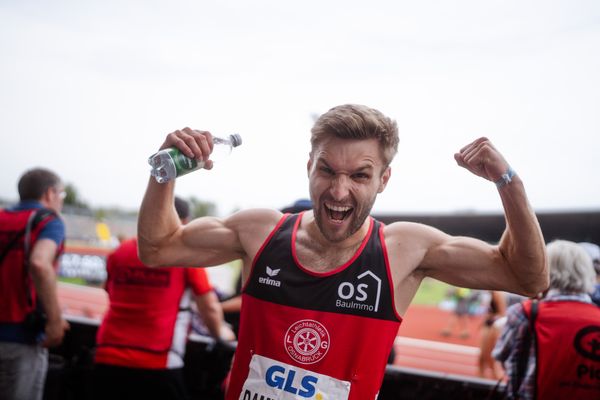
(194,144)
(187,150)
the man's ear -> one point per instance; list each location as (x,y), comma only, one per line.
(385,177)
(308,165)
(46,198)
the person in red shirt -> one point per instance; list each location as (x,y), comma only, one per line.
(141,341)
(324,291)
(31,240)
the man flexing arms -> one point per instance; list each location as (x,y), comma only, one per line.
(324,290)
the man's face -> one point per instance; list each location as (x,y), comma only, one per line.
(345,177)
(54,197)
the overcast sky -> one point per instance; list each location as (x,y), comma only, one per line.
(91,88)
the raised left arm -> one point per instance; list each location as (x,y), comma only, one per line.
(522,244)
(521,248)
(517,264)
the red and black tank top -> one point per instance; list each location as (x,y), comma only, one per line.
(307,335)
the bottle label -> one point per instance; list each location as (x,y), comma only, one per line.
(183,164)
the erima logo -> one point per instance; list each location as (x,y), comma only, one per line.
(355,295)
(272,273)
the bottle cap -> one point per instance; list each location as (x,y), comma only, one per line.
(236,140)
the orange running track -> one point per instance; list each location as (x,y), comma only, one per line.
(419,343)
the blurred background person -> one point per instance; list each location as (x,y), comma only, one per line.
(559,360)
(208,359)
(31,240)
(464,303)
(142,340)
(593,250)
(233,305)
(489,334)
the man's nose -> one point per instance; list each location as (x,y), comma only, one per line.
(340,187)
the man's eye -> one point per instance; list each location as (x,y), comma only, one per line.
(327,170)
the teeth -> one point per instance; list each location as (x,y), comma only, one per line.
(338,208)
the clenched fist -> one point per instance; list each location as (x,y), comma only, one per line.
(481,158)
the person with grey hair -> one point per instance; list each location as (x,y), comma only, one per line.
(32,238)
(593,251)
(550,348)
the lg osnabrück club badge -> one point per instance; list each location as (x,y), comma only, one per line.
(307,341)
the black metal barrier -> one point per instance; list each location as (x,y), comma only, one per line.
(401,383)
(70,364)
(207,363)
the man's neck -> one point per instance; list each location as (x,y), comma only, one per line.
(317,253)
(310,227)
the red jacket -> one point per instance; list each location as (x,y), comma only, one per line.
(568,350)
(16,287)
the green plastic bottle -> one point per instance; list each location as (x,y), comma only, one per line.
(171,163)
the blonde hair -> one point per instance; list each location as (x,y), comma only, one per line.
(355,121)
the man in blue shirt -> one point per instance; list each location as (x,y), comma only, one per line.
(31,240)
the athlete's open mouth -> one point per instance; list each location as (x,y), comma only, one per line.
(338,213)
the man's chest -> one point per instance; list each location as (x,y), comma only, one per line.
(322,259)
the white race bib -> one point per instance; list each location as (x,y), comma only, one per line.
(273,380)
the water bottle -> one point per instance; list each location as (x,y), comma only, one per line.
(171,163)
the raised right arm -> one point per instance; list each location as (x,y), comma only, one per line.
(164,241)
(207,241)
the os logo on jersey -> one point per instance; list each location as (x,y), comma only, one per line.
(306,341)
(363,295)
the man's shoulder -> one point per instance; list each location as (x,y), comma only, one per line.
(22,208)
(251,227)
(258,214)
(52,227)
(406,230)
(49,224)
(254,220)
(410,226)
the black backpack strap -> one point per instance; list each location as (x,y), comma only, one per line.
(32,223)
(34,220)
(523,360)
(532,318)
